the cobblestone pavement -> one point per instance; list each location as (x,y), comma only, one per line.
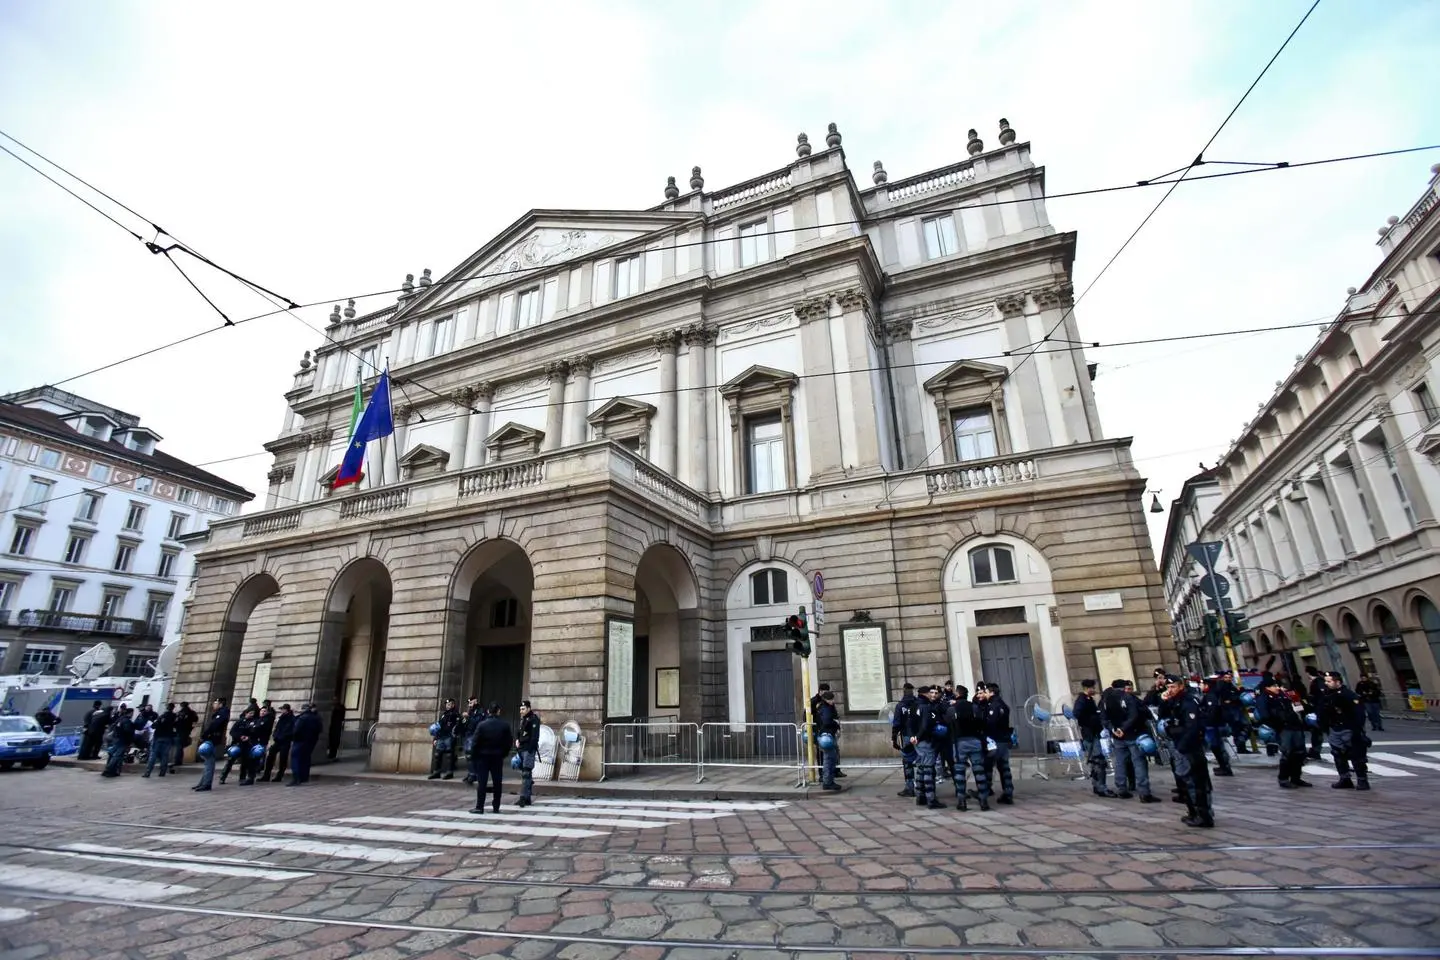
(141,868)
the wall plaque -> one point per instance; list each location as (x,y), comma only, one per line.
(867,682)
(619,669)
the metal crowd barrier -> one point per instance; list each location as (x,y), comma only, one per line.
(752,746)
(663,743)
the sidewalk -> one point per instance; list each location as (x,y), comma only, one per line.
(720,783)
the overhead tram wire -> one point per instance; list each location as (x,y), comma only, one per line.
(1069,311)
(694,243)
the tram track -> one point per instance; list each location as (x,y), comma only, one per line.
(734,949)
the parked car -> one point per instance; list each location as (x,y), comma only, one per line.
(23,741)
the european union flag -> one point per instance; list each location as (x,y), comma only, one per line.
(374,423)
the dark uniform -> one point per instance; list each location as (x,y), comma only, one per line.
(443,756)
(966,723)
(527,741)
(998,731)
(280,747)
(1092,725)
(900,725)
(926,733)
(1283,715)
(1216,730)
(488,746)
(1185,723)
(1342,718)
(470,722)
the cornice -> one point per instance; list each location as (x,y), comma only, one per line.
(993,261)
(300,441)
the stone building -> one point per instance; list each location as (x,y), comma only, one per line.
(91,519)
(1199,647)
(629,441)
(1331,491)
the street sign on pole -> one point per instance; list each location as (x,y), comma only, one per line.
(819,584)
(819,612)
(1205,553)
(1214,586)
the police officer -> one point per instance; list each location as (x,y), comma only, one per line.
(1232,710)
(470,721)
(527,741)
(1342,718)
(443,755)
(280,748)
(923,737)
(489,744)
(1283,714)
(827,720)
(1217,730)
(900,726)
(1086,713)
(965,720)
(998,732)
(1128,720)
(1185,724)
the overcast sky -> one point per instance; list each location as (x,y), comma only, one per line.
(326,150)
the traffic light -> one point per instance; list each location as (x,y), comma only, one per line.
(798,630)
(1212,630)
(1237,623)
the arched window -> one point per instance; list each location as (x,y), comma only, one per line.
(992,564)
(769,586)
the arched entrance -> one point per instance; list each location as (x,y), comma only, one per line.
(763,674)
(1392,645)
(667,637)
(1359,646)
(256,601)
(1428,616)
(488,647)
(1332,649)
(998,598)
(350,658)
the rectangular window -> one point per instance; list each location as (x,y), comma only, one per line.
(768,587)
(7,594)
(61,598)
(754,243)
(940,239)
(440,334)
(8,445)
(186,496)
(1425,400)
(50,459)
(167,565)
(136,665)
(765,449)
(177,526)
(1394,469)
(89,509)
(627,276)
(124,553)
(99,472)
(365,365)
(21,540)
(505,613)
(155,613)
(40,661)
(144,484)
(135,517)
(974,433)
(113,605)
(75,549)
(527,308)
(37,493)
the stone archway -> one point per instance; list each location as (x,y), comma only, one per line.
(488,620)
(668,637)
(349,662)
(255,591)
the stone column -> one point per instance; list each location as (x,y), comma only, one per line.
(822,407)
(577,404)
(460,427)
(696,464)
(479,425)
(277,478)
(1337,510)
(304,472)
(869,420)
(557,373)
(1367,490)
(909,397)
(1405,464)
(398,443)
(665,438)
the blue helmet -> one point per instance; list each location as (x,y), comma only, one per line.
(1040,714)
(1147,745)
(234,750)
(205,749)
(827,742)
(515,761)
(434,729)
(1266,733)
(257,752)
(941,730)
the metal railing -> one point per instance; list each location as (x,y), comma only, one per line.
(665,743)
(82,623)
(753,746)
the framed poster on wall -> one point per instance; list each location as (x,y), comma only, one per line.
(867,675)
(1114,663)
(667,687)
(619,668)
(352,695)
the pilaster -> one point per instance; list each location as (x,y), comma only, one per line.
(484,393)
(822,406)
(866,409)
(460,427)
(665,439)
(557,373)
(695,466)
(577,400)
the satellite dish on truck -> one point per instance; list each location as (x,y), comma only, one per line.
(95,662)
(165,662)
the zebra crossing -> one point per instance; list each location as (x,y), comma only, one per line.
(1385,758)
(410,837)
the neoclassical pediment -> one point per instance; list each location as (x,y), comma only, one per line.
(540,239)
(621,408)
(758,379)
(963,373)
(514,432)
(424,459)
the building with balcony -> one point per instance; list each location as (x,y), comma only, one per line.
(1189,514)
(91,515)
(629,443)
(1331,491)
